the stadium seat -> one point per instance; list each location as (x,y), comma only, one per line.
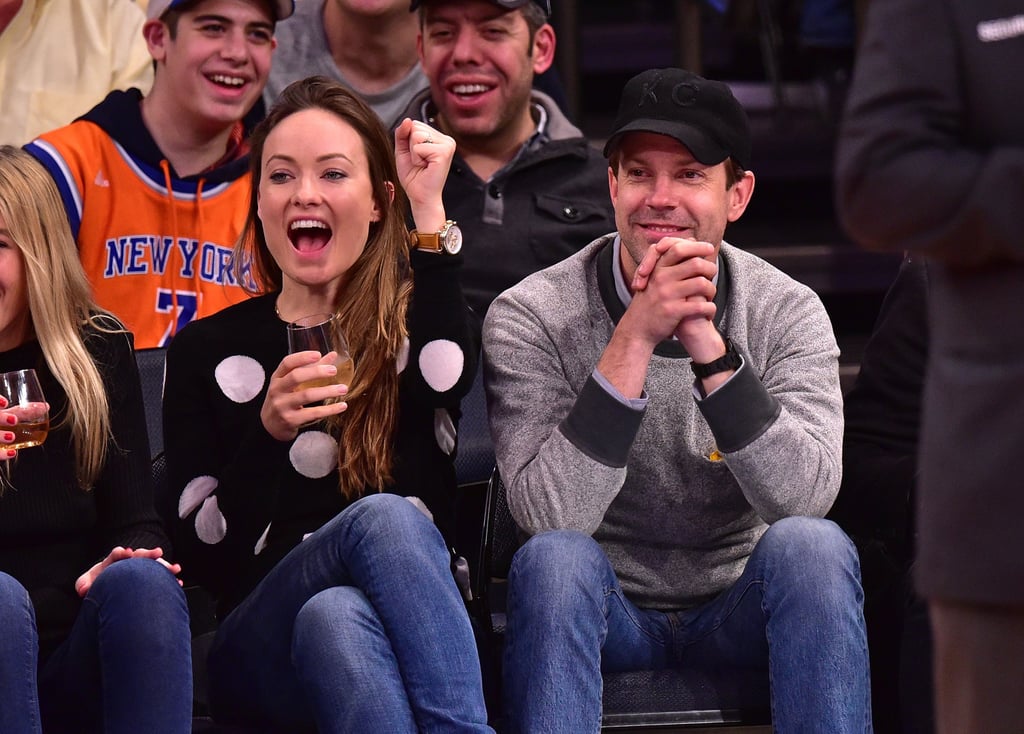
(151,373)
(475,458)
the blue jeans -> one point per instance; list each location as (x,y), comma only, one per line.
(796,610)
(126,666)
(359,628)
(19,650)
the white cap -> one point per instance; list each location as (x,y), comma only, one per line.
(156,8)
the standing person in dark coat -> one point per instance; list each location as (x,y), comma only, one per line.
(931,160)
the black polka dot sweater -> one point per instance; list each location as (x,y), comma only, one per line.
(51,529)
(245,498)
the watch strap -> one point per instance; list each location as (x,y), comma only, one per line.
(428,241)
(731,360)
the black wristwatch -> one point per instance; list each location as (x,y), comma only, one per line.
(731,360)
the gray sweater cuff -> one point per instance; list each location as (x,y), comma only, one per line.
(740,410)
(601,426)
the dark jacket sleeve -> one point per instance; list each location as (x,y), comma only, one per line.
(883,414)
(926,160)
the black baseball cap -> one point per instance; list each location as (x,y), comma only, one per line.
(702,114)
(544,5)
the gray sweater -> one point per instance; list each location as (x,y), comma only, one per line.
(677,524)
(303,50)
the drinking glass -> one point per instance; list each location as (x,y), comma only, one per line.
(26,401)
(315,333)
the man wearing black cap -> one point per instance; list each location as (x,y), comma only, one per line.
(667,418)
(526,187)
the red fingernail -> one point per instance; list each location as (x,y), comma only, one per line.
(11,453)
(11,420)
(8,436)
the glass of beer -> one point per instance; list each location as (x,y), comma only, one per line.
(26,401)
(316,333)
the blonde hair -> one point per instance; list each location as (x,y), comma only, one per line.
(371,307)
(60,302)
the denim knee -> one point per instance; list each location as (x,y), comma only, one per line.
(388,516)
(813,552)
(14,600)
(319,616)
(560,569)
(17,619)
(19,650)
(138,581)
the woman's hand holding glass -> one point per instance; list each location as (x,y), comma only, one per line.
(317,333)
(24,412)
(308,384)
(7,420)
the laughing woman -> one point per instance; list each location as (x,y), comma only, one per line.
(112,637)
(307,510)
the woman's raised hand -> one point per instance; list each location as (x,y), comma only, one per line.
(296,390)
(423,156)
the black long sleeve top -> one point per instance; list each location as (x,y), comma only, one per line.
(245,498)
(52,529)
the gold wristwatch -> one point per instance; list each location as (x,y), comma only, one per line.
(447,240)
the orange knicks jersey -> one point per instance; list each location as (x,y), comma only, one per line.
(156,249)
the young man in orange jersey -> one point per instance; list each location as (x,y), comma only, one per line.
(156,186)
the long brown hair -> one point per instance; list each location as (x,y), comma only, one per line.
(60,302)
(371,306)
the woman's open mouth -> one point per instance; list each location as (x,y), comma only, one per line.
(309,235)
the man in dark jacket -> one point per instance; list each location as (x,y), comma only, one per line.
(526,187)
(931,160)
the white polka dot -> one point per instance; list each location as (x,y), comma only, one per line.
(211,527)
(441,363)
(422,507)
(444,430)
(402,358)
(194,493)
(314,454)
(240,378)
(262,542)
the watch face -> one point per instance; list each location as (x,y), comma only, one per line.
(451,240)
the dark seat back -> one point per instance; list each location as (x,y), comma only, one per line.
(151,372)
(475,457)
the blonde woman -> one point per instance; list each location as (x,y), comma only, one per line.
(112,636)
(306,518)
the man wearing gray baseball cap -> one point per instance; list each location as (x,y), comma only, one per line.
(667,419)
(526,187)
